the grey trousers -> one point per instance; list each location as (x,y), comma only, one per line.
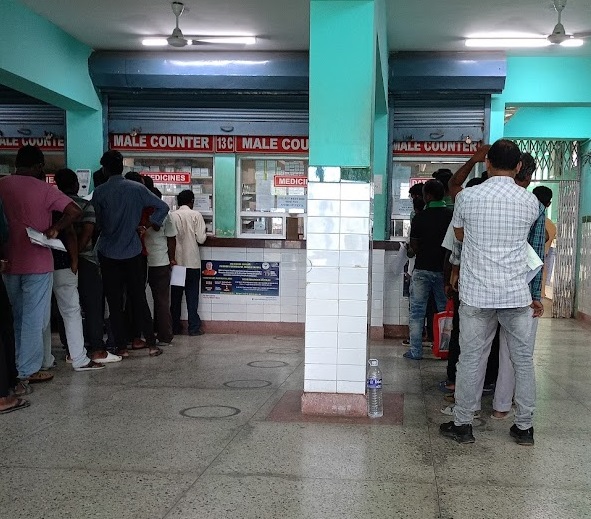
(478,326)
(505,386)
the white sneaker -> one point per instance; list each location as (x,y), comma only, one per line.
(109,358)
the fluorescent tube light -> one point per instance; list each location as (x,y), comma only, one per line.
(497,43)
(239,40)
(572,42)
(154,42)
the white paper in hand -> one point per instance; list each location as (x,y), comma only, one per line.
(38,238)
(534,263)
(178,276)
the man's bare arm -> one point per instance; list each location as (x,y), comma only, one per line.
(459,177)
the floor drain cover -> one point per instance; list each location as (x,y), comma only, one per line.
(210,411)
(247,384)
(267,364)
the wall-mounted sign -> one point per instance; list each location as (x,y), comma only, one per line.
(45,144)
(50,179)
(290,181)
(155,142)
(209,143)
(180,177)
(433,148)
(251,278)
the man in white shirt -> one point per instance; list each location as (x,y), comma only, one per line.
(190,228)
(161,247)
(493,222)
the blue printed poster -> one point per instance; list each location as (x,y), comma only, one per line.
(253,278)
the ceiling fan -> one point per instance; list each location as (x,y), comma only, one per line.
(177,38)
(558,37)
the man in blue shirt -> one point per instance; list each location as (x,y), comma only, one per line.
(119,204)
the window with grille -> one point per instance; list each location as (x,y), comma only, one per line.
(556,160)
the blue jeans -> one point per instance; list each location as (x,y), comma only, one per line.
(191,290)
(423,282)
(478,326)
(30,297)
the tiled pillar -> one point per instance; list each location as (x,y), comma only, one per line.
(345,40)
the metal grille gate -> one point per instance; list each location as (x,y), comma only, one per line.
(559,161)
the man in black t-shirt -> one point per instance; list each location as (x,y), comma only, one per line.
(427,231)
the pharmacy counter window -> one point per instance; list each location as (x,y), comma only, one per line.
(271,190)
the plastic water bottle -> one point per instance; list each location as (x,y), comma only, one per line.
(375,407)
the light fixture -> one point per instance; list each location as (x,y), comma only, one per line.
(196,40)
(504,43)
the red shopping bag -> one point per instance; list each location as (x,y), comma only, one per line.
(442,327)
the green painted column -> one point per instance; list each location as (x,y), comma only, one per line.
(225,196)
(497,119)
(84,139)
(381,181)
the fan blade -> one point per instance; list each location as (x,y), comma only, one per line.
(582,35)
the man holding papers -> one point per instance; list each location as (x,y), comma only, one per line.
(29,202)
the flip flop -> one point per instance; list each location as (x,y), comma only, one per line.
(109,358)
(39,377)
(155,351)
(123,353)
(138,345)
(444,389)
(22,388)
(20,404)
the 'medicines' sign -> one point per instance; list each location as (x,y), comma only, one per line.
(290,181)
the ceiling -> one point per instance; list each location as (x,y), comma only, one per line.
(283,25)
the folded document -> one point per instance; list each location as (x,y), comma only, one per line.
(38,238)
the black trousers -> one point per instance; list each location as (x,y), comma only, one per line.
(8,371)
(119,275)
(90,288)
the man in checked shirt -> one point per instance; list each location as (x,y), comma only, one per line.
(493,222)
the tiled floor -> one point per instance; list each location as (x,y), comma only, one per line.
(186,435)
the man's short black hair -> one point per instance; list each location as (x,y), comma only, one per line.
(134,176)
(185,197)
(504,155)
(484,175)
(112,162)
(528,167)
(418,204)
(148,182)
(67,181)
(29,156)
(434,188)
(443,175)
(475,181)
(416,190)
(544,195)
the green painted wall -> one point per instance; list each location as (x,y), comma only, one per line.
(225,196)
(342,82)
(41,60)
(381,220)
(84,139)
(550,122)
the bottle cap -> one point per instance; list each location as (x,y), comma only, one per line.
(373,362)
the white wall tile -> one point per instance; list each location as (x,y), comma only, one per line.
(271,318)
(324,191)
(320,386)
(322,307)
(323,224)
(289,318)
(355,226)
(352,308)
(351,373)
(321,355)
(355,388)
(353,275)
(315,241)
(324,258)
(320,372)
(357,242)
(355,208)
(270,255)
(355,191)
(324,208)
(323,275)
(354,291)
(354,259)
(321,339)
(352,341)
(322,291)
(352,324)
(357,357)
(316,323)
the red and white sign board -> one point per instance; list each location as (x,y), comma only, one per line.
(279,145)
(50,179)
(14,143)
(418,180)
(181,143)
(431,148)
(290,181)
(180,177)
(209,144)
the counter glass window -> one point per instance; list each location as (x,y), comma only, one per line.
(172,175)
(271,189)
(54,161)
